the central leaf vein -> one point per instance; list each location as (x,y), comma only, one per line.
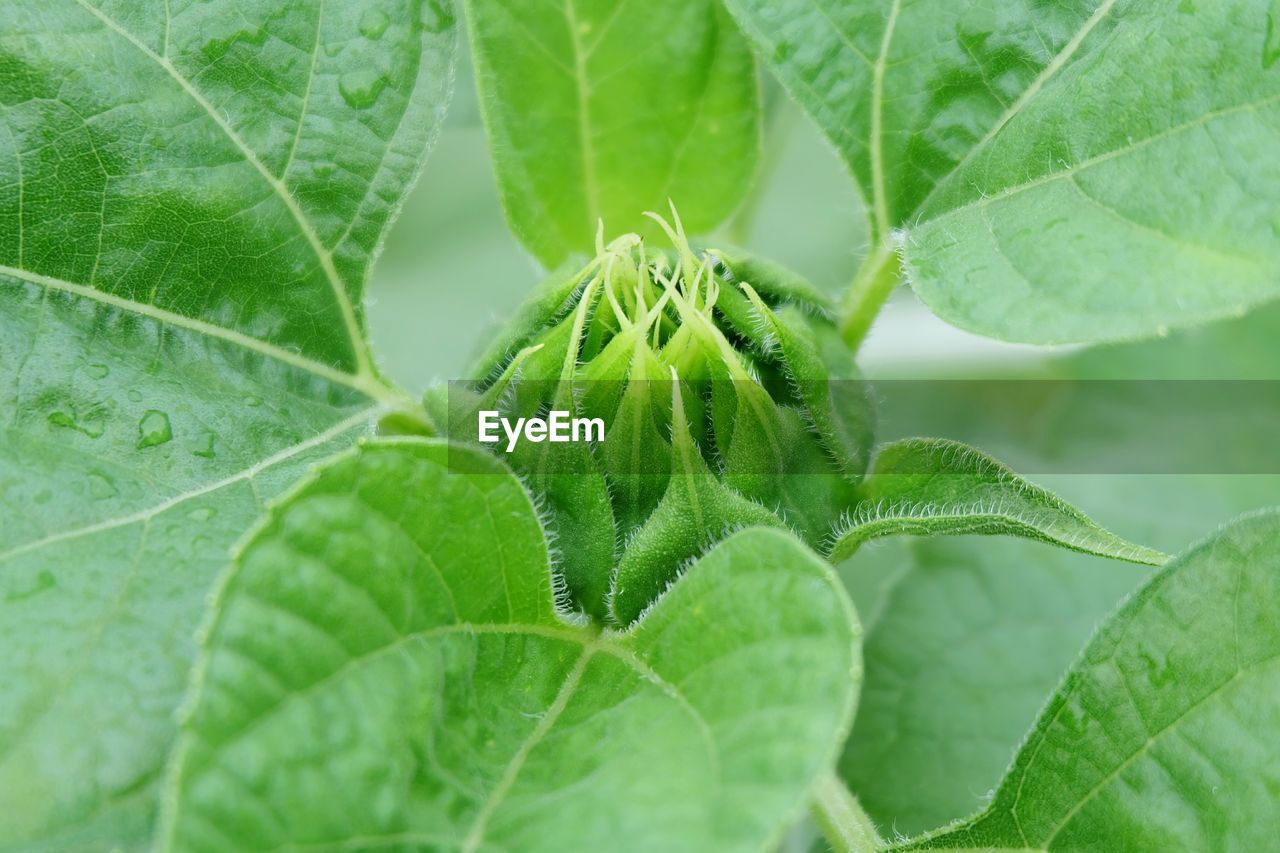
(364,365)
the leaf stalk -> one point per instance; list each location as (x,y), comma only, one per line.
(846,826)
(875,280)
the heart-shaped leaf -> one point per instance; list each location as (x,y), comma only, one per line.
(950,689)
(1163,735)
(1086,171)
(183,250)
(385,666)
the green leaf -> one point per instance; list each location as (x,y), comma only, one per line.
(966,637)
(385,666)
(604,110)
(1096,170)
(934,486)
(1163,735)
(1242,349)
(774,281)
(183,250)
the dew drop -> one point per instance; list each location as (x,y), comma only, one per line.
(135,395)
(436,16)
(204,513)
(360,89)
(1270,42)
(43,580)
(253,401)
(1158,671)
(153,429)
(1073,716)
(98,371)
(101,486)
(204,448)
(92,424)
(373,23)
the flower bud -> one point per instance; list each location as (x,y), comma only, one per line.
(726,397)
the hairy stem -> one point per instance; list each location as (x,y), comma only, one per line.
(848,829)
(876,279)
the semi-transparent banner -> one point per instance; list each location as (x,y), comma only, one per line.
(779,427)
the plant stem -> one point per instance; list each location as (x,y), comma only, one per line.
(847,827)
(876,279)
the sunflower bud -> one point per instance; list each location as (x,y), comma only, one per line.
(724,398)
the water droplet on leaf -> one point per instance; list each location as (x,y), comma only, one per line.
(1159,673)
(1074,717)
(92,424)
(204,448)
(43,580)
(101,486)
(360,89)
(153,429)
(436,16)
(1271,42)
(373,23)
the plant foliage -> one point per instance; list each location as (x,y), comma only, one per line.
(255,596)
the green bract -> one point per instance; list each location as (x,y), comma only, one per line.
(763,430)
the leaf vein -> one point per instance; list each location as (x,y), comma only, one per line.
(1090,162)
(366,384)
(1146,747)
(245,474)
(355,336)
